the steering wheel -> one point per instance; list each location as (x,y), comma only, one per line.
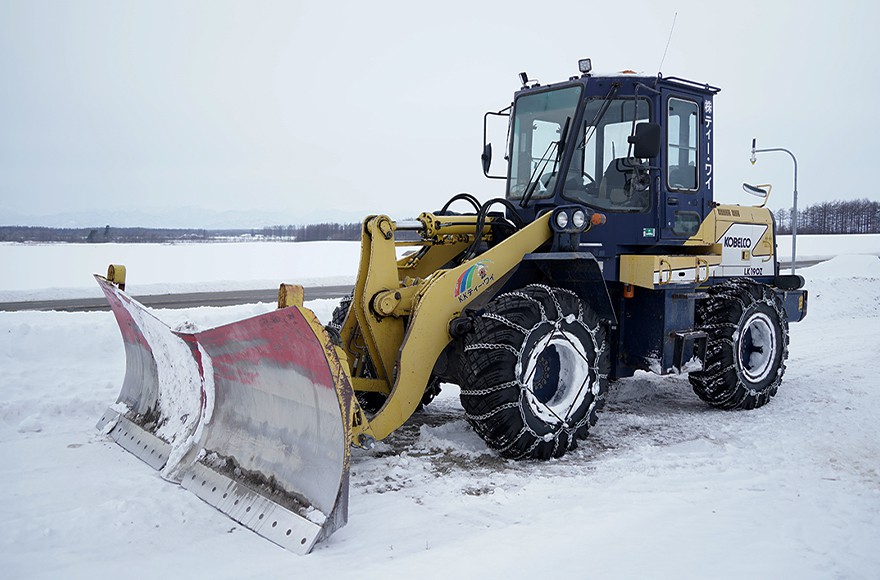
(545,180)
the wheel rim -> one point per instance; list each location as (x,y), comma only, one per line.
(556,375)
(757,347)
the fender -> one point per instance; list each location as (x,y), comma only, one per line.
(579,272)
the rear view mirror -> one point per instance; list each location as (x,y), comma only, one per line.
(499,125)
(646,140)
(756,190)
(762,191)
(486,158)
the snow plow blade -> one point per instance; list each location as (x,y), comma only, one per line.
(253,416)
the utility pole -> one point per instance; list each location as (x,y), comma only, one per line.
(753,159)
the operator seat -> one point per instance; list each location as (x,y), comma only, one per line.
(617,184)
(613,183)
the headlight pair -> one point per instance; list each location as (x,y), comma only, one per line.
(569,219)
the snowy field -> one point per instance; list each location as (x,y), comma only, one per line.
(47,271)
(65,270)
(664,487)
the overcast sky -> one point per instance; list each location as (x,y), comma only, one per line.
(367,107)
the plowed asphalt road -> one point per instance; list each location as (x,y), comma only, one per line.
(189,300)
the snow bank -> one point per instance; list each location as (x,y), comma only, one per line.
(843,287)
(845,266)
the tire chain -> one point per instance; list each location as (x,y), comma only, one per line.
(563,426)
(733,291)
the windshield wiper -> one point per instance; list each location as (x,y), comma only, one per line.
(560,149)
(594,124)
(555,146)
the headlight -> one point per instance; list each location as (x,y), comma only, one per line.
(561,220)
(578,218)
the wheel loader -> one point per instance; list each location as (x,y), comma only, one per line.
(608,255)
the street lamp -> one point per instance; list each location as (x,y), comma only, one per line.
(753,159)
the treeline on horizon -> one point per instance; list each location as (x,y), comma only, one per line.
(860,216)
(128,235)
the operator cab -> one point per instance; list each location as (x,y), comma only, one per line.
(636,148)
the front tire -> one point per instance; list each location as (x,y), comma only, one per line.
(534,372)
(746,348)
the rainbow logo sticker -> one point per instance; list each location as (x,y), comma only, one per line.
(472,280)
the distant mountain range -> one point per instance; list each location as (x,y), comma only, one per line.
(183,217)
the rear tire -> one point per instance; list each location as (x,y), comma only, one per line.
(340,312)
(746,348)
(534,372)
(369,401)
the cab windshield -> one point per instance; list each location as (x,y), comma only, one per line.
(539,123)
(602,173)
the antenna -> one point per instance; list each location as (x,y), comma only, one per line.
(671,30)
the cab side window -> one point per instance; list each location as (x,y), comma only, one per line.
(681,155)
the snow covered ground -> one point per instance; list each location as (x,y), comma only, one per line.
(664,487)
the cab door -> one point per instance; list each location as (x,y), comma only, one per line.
(686,164)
